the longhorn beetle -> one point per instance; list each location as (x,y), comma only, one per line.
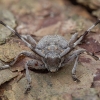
(54,52)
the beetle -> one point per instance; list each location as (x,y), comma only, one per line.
(54,51)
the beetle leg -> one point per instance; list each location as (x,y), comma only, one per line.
(76,62)
(75,56)
(34,64)
(70,58)
(28,77)
(29,39)
(73,39)
(25,53)
(74,70)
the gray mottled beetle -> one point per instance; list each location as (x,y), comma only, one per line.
(54,52)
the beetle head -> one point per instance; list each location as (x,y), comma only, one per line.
(52,62)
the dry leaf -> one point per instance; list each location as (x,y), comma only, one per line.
(10,50)
(6,75)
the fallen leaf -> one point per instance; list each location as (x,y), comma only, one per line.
(88,94)
(48,30)
(10,20)
(10,50)
(6,75)
(90,3)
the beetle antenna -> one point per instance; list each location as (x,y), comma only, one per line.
(89,29)
(23,39)
(12,30)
